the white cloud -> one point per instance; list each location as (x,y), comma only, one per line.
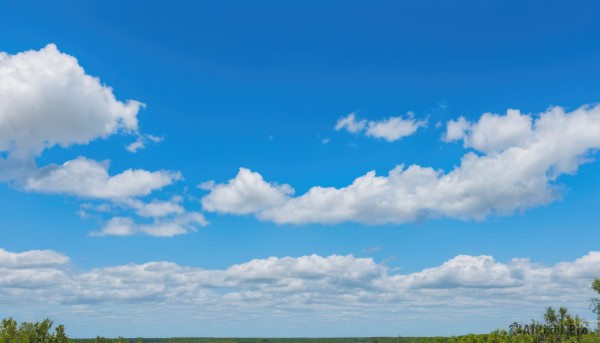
(390,129)
(32,259)
(582,269)
(156,208)
(466,271)
(394,128)
(517,172)
(169,217)
(456,129)
(246,193)
(30,269)
(155,139)
(342,270)
(325,287)
(140,142)
(349,123)
(90,179)
(207,185)
(179,225)
(135,146)
(47,99)
(160,227)
(117,226)
(492,132)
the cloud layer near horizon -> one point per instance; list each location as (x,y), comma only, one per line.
(518,161)
(328,285)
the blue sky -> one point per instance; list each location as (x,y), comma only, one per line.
(303,96)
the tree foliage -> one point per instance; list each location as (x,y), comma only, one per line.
(595,302)
(38,332)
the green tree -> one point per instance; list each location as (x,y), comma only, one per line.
(8,331)
(596,302)
(59,335)
(38,332)
(550,316)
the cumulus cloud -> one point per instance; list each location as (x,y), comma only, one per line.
(390,129)
(455,129)
(246,193)
(296,285)
(47,99)
(584,267)
(492,132)
(90,179)
(467,272)
(517,170)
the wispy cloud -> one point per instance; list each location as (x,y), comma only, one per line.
(371,250)
(140,142)
(350,124)
(179,224)
(391,129)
